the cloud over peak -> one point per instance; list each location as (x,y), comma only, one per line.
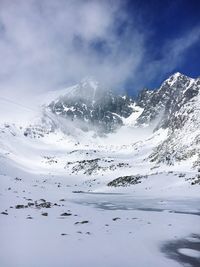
(50,44)
(45,44)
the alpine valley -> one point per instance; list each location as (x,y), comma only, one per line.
(97,178)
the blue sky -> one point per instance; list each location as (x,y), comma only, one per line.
(167,21)
(124,44)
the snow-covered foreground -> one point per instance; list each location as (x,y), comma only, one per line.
(88,229)
(46,220)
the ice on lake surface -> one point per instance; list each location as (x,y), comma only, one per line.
(117,201)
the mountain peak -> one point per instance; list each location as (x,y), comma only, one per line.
(87,88)
(89,81)
(177,76)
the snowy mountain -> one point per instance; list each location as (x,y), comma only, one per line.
(92,116)
(173,107)
(94,106)
(162,104)
(91,103)
(88,113)
(92,170)
(176,107)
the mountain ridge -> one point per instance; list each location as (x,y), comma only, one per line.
(112,110)
(169,116)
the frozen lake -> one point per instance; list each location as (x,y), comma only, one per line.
(120,201)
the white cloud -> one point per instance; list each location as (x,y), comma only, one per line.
(49,44)
(46,44)
(172,56)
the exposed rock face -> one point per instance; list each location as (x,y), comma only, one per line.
(164,103)
(89,103)
(179,102)
(183,141)
(126,180)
